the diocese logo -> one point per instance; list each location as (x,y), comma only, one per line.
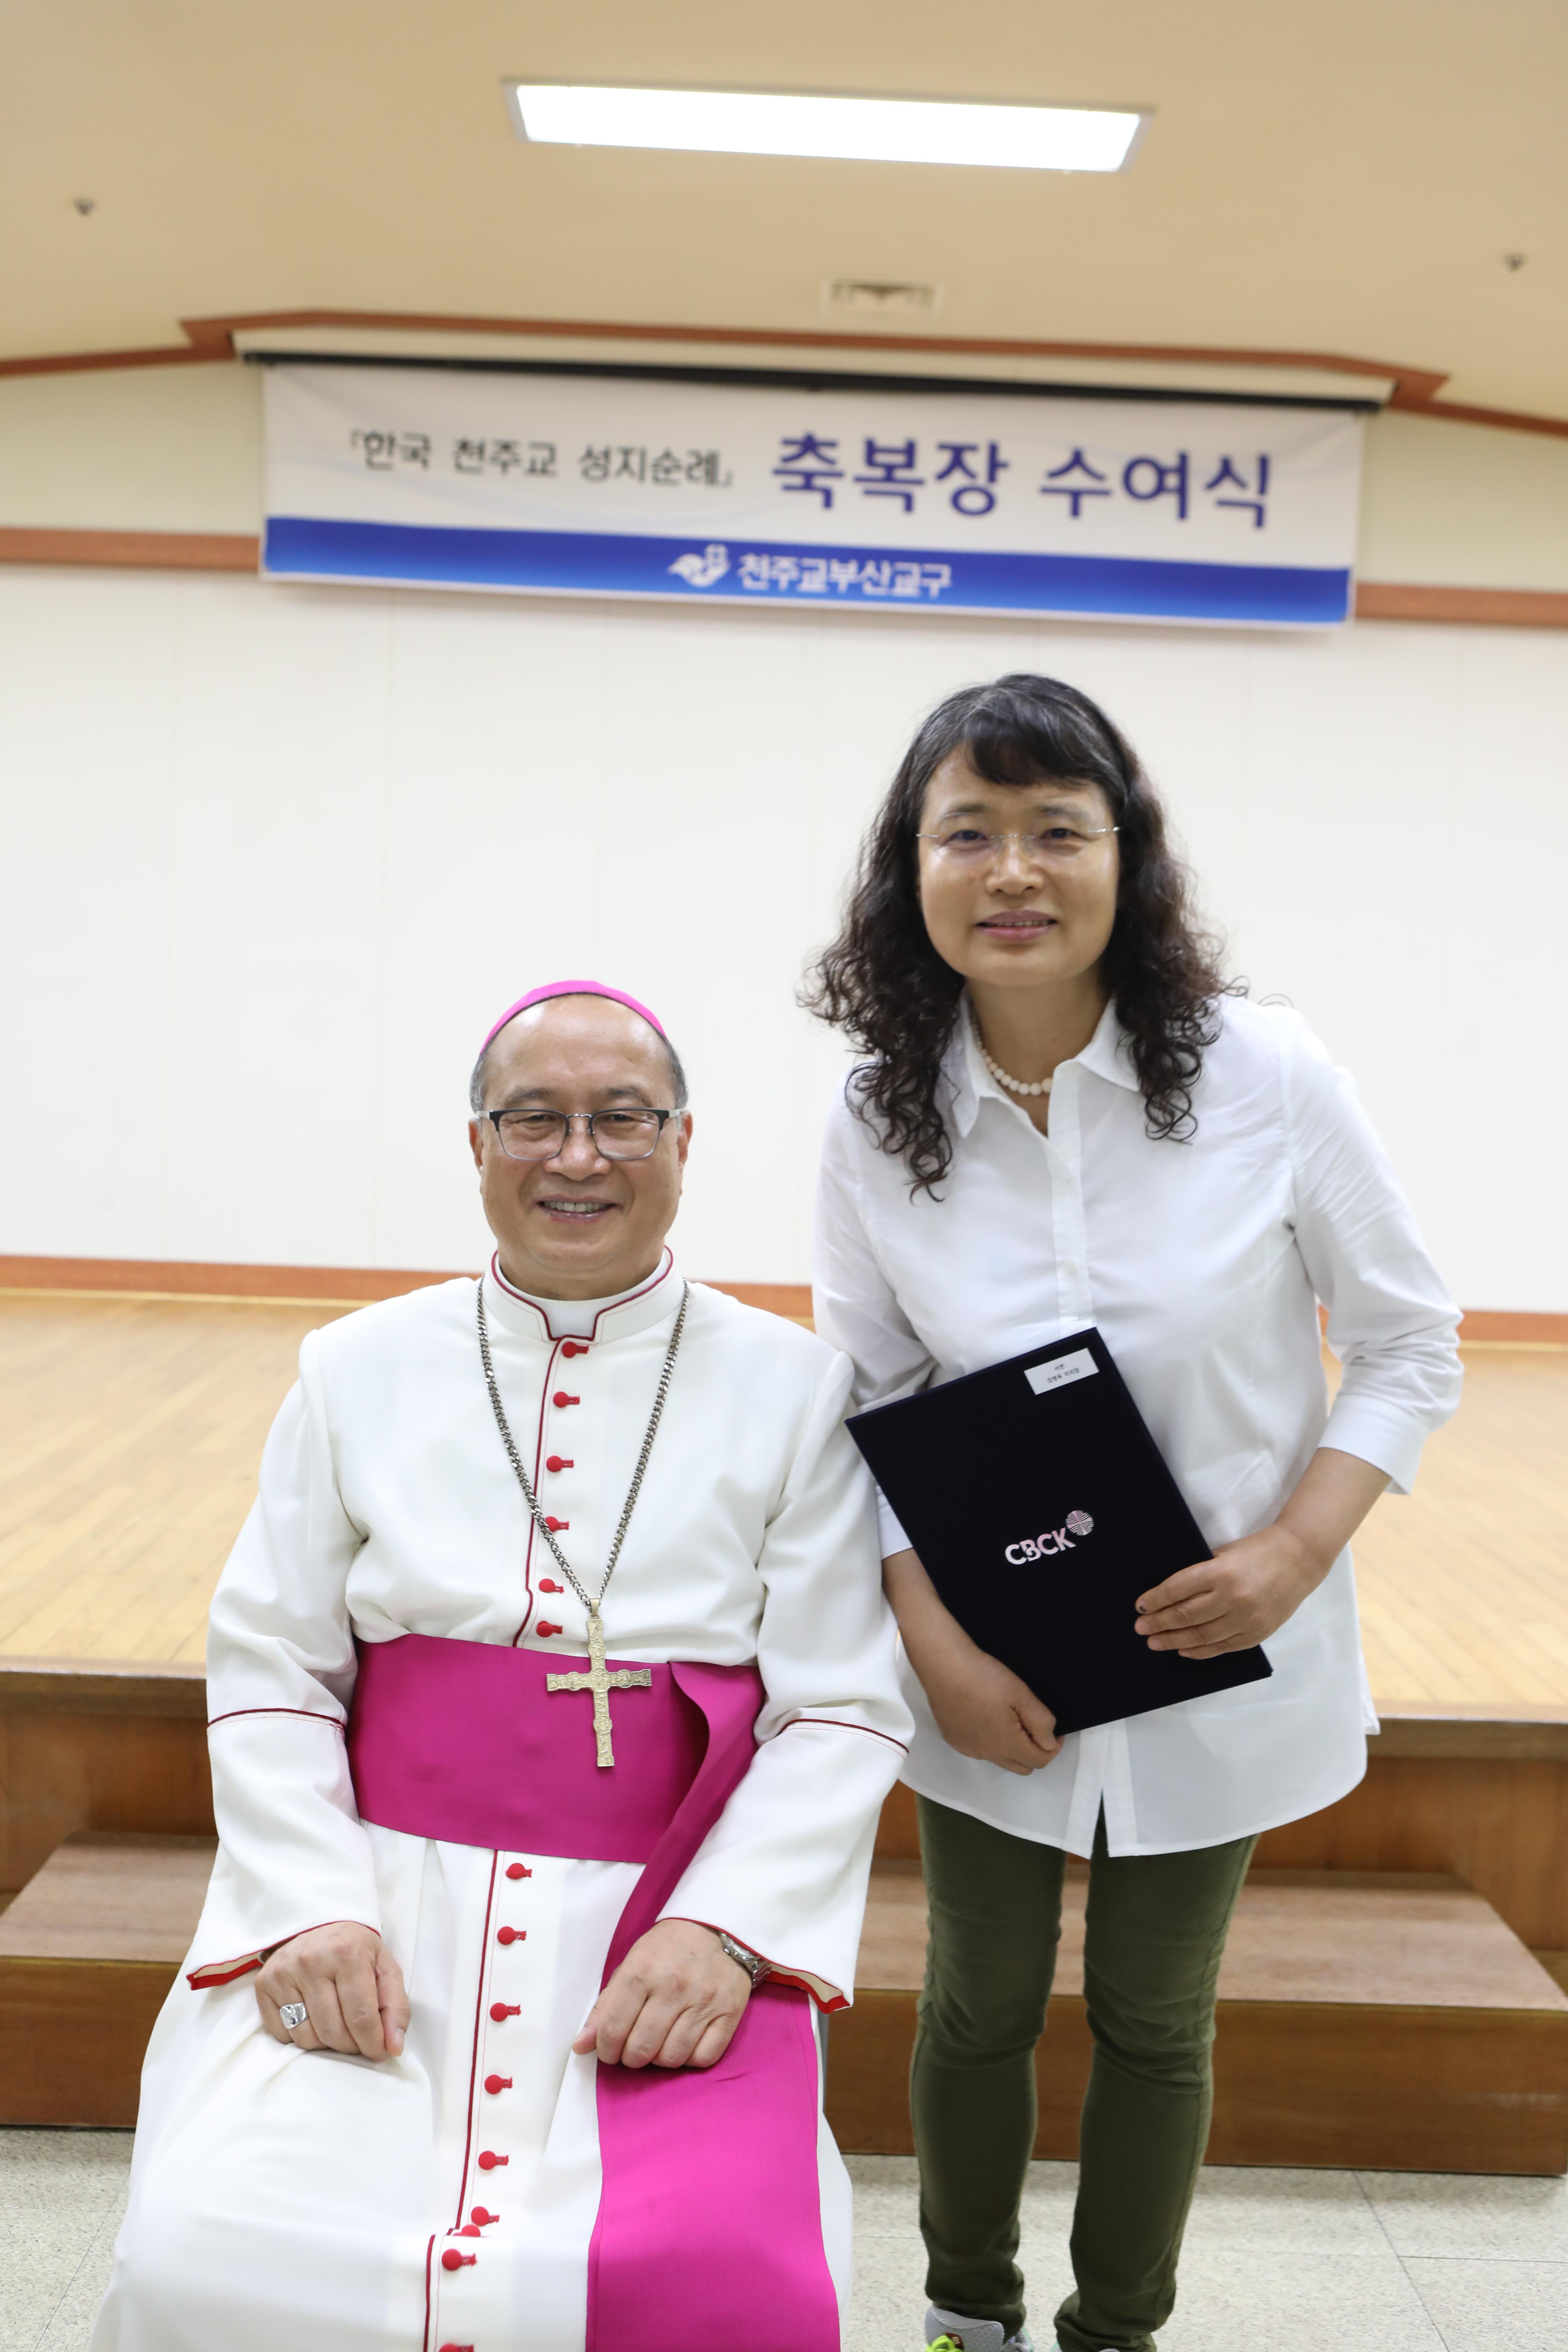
(703,570)
(1055,1540)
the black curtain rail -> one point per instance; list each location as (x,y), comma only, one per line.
(816,380)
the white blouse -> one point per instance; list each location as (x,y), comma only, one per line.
(1202,1263)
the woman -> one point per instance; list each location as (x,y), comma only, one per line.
(1067,1119)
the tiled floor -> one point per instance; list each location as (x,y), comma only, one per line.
(1275,2262)
(61,2196)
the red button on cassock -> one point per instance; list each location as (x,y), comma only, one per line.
(518,1870)
(470,2232)
(558,1527)
(574,1347)
(512,1935)
(488,2160)
(560,1398)
(546,1630)
(457,2347)
(558,1461)
(452,2259)
(547,1584)
(494,2083)
(501,2009)
(482,2216)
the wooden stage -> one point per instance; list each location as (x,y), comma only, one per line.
(1381,2003)
(136,1426)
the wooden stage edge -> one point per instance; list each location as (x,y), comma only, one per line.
(1391,2021)
(329,1286)
(90,1745)
(134,1686)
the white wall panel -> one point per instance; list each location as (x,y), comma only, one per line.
(273,857)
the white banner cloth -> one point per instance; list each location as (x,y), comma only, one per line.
(575,484)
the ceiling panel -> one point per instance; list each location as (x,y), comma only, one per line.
(1347,178)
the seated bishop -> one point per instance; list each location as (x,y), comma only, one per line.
(554,1702)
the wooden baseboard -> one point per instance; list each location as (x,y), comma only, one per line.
(332,1285)
(1495,608)
(141,551)
(792,1300)
(177,1278)
(1504,1327)
(359,1284)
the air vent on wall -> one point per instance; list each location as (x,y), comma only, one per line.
(880,298)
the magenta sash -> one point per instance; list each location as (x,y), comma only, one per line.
(710,2227)
(461,1740)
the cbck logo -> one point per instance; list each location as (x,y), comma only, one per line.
(1077,1524)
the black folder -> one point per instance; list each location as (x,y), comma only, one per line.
(1041,1509)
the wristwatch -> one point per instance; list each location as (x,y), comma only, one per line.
(756,1967)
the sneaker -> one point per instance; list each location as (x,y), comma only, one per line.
(949,2331)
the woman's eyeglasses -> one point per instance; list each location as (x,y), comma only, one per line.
(1050,844)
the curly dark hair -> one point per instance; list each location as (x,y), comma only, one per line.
(883,983)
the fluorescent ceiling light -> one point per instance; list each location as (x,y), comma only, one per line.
(868,130)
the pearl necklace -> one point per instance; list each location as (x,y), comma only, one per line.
(1004,1077)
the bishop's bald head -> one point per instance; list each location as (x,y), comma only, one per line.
(580,1133)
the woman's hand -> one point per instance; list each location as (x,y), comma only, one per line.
(675,2000)
(351,1986)
(981,1707)
(1234,1600)
(1249,1589)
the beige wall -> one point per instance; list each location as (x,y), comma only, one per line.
(180,449)
(292,846)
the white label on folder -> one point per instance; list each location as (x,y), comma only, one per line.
(1060,1371)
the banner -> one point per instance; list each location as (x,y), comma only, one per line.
(888,498)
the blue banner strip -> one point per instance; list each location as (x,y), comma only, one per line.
(777,571)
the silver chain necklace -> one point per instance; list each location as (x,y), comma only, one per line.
(561,1562)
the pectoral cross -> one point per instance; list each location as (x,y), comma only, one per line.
(601,1682)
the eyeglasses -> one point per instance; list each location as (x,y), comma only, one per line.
(615,1134)
(1053,844)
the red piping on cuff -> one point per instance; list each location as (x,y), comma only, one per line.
(310,1713)
(774,1976)
(829,2008)
(222,1972)
(216,1973)
(834,1724)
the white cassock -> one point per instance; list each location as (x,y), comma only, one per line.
(291,2201)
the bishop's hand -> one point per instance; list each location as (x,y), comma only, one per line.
(675,2000)
(349,1986)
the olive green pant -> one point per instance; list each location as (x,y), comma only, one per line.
(1156,1929)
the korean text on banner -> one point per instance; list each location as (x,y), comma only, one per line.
(909,500)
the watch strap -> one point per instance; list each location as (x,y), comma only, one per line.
(756,1967)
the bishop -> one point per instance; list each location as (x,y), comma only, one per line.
(493,2035)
